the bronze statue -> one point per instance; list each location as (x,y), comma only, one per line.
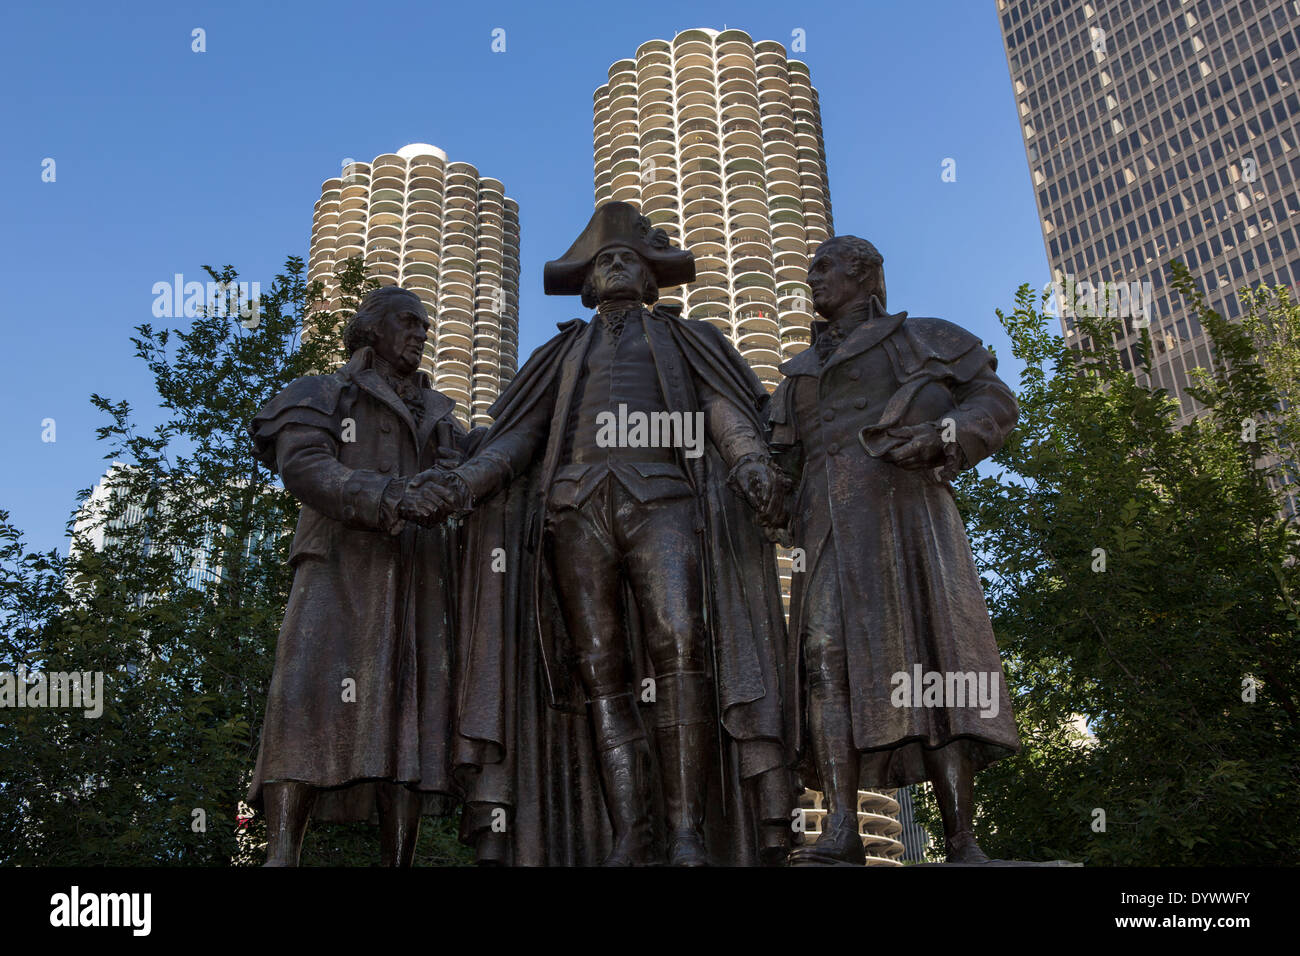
(358,717)
(615,578)
(894,675)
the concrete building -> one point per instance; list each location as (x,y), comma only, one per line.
(878,823)
(718,140)
(916,840)
(447,233)
(107,520)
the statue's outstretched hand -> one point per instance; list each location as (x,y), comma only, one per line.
(764,488)
(441,492)
(424,502)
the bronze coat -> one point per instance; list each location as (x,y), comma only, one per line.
(372,596)
(909,589)
(524,743)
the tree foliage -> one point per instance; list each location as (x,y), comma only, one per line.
(1142,578)
(174,589)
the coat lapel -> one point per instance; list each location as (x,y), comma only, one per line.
(805,363)
(667,369)
(371,381)
(570,366)
(437,406)
(865,336)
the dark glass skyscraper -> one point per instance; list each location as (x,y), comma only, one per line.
(1155,131)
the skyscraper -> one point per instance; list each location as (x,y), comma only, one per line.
(107,520)
(1159,130)
(718,140)
(449,235)
(879,824)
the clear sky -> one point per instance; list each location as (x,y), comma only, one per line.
(167,159)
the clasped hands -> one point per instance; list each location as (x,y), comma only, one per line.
(763,487)
(432,495)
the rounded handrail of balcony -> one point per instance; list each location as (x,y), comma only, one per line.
(700,94)
(734,35)
(654,46)
(705,234)
(711,249)
(658,202)
(753,280)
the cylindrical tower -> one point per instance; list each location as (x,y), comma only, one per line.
(878,823)
(718,140)
(449,235)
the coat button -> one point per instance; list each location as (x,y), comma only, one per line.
(833,448)
(828,415)
(349,513)
(386,466)
(386,426)
(859,402)
(855,374)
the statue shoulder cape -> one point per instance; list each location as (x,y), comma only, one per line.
(310,400)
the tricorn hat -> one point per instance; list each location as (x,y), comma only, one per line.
(618,224)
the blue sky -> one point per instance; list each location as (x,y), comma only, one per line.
(168,159)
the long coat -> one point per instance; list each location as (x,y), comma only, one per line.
(362,688)
(908,590)
(524,743)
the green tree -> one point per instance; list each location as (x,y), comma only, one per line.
(179,606)
(1142,577)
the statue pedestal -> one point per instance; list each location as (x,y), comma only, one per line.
(1005,863)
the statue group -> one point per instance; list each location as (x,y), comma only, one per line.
(571,623)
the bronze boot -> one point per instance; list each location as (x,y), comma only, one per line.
(953,780)
(831,727)
(682,732)
(624,756)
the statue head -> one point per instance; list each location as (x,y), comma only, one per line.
(846,272)
(393,322)
(619,272)
(619,255)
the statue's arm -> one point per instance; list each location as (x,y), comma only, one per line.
(504,452)
(734,433)
(986,413)
(786,446)
(468,442)
(740,435)
(307,459)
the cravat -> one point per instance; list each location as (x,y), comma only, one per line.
(828,342)
(614,320)
(406,387)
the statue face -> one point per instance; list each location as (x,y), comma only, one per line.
(400,336)
(832,285)
(619,273)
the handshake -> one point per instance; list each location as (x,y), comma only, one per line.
(764,487)
(433,495)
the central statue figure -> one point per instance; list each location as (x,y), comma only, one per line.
(637,557)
